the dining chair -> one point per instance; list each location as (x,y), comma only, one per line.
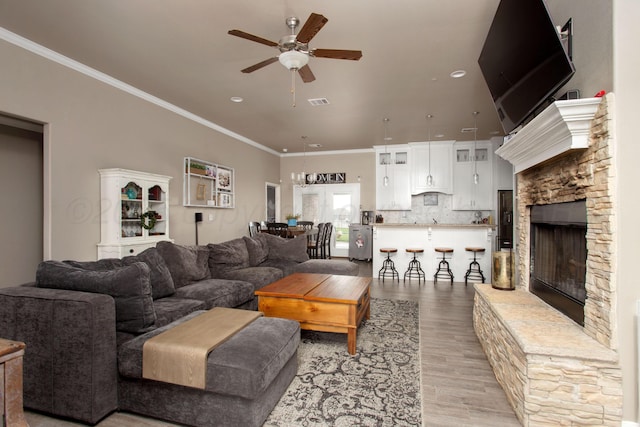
(307,225)
(278,228)
(314,243)
(325,246)
(254,228)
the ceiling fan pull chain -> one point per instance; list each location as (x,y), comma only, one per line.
(293,87)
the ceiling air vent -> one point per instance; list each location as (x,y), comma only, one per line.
(318,101)
(467,130)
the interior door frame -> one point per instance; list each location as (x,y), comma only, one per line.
(276,187)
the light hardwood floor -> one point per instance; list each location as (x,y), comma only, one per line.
(458,385)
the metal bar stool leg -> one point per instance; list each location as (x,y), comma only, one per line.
(474,271)
(388,268)
(414,270)
(444,272)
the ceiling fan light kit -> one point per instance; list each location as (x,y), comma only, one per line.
(294,49)
(293,59)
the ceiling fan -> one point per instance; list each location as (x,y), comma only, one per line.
(294,49)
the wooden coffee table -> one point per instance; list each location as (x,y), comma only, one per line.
(320,302)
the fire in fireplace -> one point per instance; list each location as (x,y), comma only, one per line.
(559,256)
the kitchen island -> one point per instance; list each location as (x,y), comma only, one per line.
(428,237)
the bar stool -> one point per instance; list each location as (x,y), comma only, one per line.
(444,272)
(414,270)
(474,270)
(388,268)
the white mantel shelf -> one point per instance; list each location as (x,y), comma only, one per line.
(561,127)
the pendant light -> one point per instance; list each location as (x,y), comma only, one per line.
(429,176)
(476,177)
(302,179)
(385,180)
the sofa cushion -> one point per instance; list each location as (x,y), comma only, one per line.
(256,276)
(227,256)
(170,309)
(286,267)
(257,248)
(244,365)
(218,292)
(287,249)
(129,286)
(327,266)
(161,280)
(187,264)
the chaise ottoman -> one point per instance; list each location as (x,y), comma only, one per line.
(246,376)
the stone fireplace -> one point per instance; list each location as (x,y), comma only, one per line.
(554,370)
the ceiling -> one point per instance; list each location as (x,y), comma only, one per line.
(179,51)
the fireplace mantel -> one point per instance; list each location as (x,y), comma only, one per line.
(563,126)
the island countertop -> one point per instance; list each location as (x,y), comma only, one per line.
(427,225)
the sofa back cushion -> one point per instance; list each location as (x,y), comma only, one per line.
(287,249)
(130,287)
(228,256)
(257,248)
(187,264)
(161,280)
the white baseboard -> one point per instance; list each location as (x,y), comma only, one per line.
(629,424)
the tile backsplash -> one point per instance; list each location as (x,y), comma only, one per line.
(426,214)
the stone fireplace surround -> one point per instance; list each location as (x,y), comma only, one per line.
(553,371)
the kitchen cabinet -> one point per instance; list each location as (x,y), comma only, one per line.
(438,160)
(134,211)
(469,158)
(393,162)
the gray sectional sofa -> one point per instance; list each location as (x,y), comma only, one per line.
(85,322)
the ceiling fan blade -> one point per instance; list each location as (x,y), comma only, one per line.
(306,75)
(353,55)
(260,65)
(253,38)
(314,23)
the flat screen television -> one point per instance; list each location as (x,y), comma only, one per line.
(523,60)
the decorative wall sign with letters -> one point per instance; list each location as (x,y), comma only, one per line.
(329,178)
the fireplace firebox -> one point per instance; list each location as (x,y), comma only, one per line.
(559,256)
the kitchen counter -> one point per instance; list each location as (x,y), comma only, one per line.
(427,225)
(429,236)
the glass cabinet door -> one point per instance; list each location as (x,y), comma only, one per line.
(131,208)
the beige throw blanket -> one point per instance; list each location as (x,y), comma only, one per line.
(179,355)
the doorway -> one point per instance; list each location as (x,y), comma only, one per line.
(21,177)
(338,204)
(272,207)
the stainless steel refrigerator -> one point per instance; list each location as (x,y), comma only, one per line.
(360,244)
(505,219)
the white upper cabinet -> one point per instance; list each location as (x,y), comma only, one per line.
(394,163)
(470,158)
(436,160)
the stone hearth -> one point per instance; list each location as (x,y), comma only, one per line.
(554,371)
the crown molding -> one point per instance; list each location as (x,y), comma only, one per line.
(51,55)
(562,127)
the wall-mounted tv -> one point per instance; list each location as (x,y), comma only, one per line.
(523,60)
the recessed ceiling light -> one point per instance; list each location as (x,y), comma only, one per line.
(236,99)
(284,150)
(439,135)
(494,132)
(458,73)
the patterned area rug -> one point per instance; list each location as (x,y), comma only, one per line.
(379,386)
